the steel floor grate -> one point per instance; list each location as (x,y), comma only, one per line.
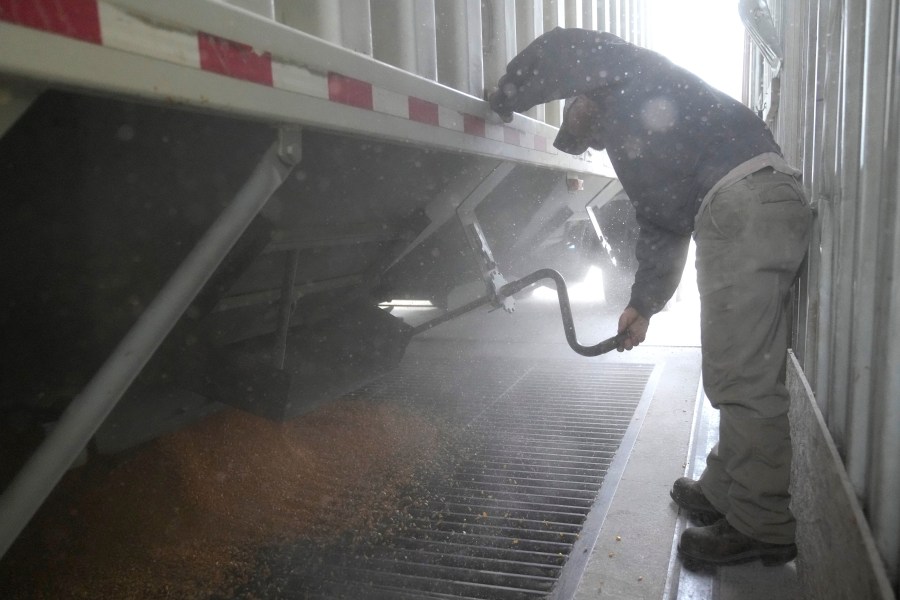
(541,439)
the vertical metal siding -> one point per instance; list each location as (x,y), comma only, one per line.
(883,482)
(867,259)
(836,379)
(841,112)
(833,379)
(885,515)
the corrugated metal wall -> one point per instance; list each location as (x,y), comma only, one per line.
(840,121)
(462,44)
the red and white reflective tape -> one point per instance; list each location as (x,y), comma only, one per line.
(104,24)
(77,19)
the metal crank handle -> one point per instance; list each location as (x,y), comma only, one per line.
(565,310)
(514,287)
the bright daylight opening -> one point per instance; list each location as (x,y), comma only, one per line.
(589,289)
(704,36)
(401,302)
(707,38)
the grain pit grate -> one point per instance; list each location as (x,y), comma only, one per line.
(519,514)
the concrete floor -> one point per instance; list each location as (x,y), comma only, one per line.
(634,557)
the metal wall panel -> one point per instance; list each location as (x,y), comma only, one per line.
(839,122)
(883,475)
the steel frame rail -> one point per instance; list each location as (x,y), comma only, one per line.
(84,415)
(252,67)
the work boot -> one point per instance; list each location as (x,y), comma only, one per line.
(721,544)
(687,494)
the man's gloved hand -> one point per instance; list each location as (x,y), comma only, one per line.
(503,98)
(517,90)
(636,325)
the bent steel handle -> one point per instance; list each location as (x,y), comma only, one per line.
(565,309)
(514,287)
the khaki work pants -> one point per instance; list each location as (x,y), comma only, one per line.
(751,238)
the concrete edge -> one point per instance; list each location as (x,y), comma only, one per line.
(837,553)
(696,453)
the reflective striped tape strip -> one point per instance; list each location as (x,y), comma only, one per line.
(104,24)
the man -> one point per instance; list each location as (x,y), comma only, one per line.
(694,161)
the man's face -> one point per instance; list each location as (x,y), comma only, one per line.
(580,128)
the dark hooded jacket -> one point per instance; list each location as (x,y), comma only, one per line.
(669,135)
